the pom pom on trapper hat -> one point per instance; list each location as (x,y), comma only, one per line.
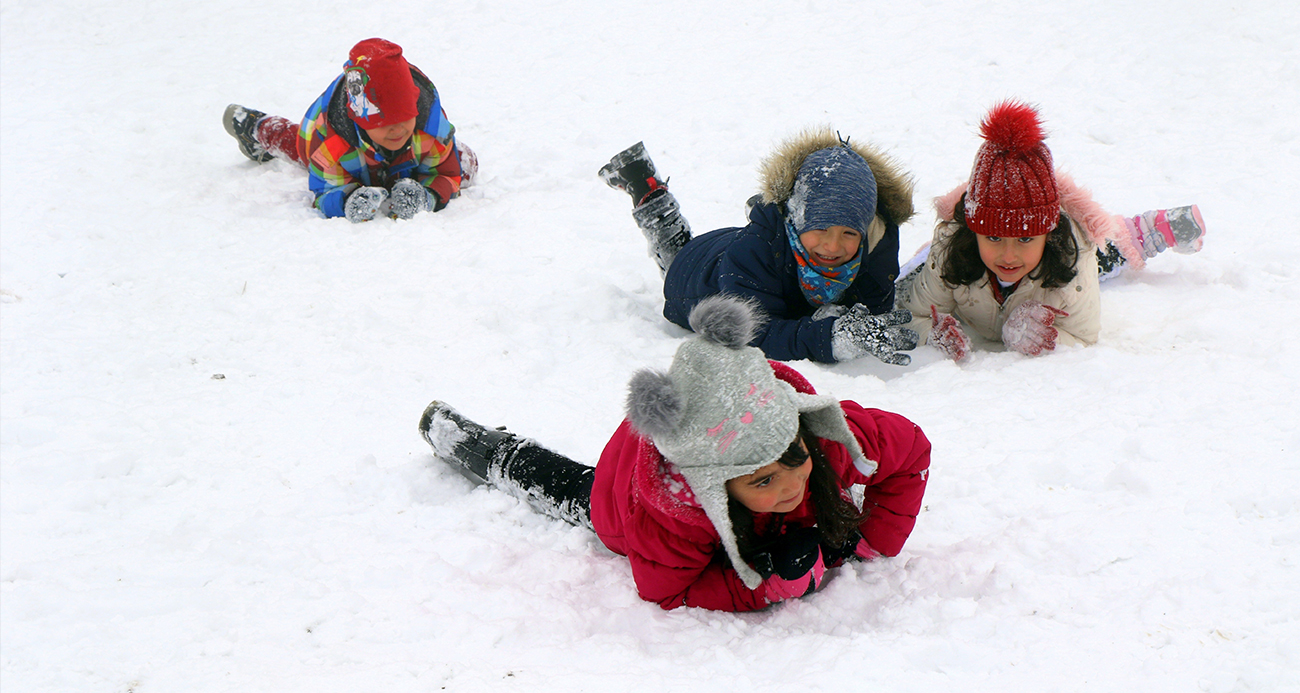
(1012,191)
(720,412)
(380,88)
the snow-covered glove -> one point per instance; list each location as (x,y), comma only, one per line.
(408,198)
(947,336)
(858,333)
(363,204)
(830,310)
(1029,328)
(793,567)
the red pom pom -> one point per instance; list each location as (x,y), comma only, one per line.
(1012,126)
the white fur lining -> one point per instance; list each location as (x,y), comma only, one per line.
(865,466)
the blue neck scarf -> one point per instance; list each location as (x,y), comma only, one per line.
(822,285)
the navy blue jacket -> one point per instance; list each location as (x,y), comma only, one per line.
(757,262)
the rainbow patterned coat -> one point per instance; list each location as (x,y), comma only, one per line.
(339,159)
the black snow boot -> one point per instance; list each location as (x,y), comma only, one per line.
(551,483)
(241,123)
(471,449)
(654,208)
(632,171)
(666,232)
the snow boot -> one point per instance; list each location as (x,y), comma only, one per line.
(632,171)
(655,209)
(551,483)
(1181,229)
(666,232)
(469,448)
(241,123)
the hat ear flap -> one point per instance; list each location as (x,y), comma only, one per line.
(824,417)
(653,406)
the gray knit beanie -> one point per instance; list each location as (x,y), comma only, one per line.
(834,187)
(720,412)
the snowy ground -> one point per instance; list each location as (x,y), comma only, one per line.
(1122,517)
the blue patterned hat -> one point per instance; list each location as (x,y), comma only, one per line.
(835,187)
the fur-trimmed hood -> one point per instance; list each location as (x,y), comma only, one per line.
(893,185)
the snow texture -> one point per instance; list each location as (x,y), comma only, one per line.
(1112,518)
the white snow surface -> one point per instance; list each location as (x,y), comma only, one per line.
(1113,518)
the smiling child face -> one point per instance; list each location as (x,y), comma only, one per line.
(392,137)
(1010,259)
(832,246)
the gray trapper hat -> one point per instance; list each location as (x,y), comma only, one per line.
(720,412)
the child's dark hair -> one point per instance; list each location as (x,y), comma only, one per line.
(837,518)
(964,266)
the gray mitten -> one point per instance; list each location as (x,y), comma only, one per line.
(409,198)
(858,333)
(363,204)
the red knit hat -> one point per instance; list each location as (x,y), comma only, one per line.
(1012,191)
(380,88)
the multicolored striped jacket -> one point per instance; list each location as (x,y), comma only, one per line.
(339,159)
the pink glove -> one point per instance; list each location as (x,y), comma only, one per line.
(794,567)
(947,336)
(1029,329)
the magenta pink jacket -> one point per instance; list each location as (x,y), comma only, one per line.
(676,554)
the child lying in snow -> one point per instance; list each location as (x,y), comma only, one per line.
(819,254)
(376,142)
(726,487)
(1018,251)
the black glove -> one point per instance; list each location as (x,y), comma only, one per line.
(792,555)
(793,567)
(858,333)
(834,554)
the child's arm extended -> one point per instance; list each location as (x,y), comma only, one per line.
(894,493)
(673,570)
(928,289)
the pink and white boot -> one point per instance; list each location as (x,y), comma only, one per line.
(1181,229)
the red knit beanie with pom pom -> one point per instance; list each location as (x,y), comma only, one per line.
(380,88)
(1012,191)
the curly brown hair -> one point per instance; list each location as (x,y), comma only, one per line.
(964,266)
